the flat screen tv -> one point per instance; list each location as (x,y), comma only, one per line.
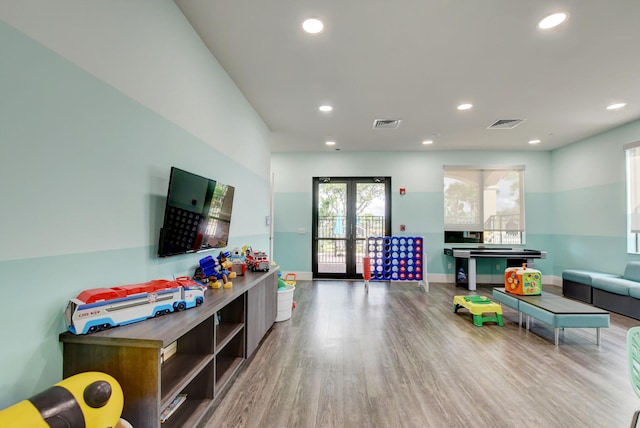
(197,214)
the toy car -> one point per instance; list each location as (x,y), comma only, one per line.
(257,261)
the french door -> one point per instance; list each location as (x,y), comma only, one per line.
(345,212)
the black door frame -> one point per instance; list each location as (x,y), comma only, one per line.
(351,221)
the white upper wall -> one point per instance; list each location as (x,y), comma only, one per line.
(415,171)
(176,77)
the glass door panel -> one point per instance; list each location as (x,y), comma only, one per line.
(346,212)
(371,216)
(331,230)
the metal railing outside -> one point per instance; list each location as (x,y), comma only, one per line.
(333,236)
(503,229)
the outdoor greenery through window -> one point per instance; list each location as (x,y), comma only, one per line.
(484,204)
(632,155)
(346,211)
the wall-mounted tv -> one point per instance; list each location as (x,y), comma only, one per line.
(197,214)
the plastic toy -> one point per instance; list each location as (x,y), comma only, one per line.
(224,270)
(395,258)
(523,281)
(479,306)
(236,256)
(462,277)
(257,260)
(281,284)
(102,308)
(199,276)
(90,399)
(238,267)
(217,270)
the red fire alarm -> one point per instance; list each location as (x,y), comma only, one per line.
(403,191)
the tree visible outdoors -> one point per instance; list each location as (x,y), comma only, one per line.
(461,202)
(510,202)
(488,200)
(333,199)
(332,207)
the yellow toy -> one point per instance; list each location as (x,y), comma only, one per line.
(523,281)
(90,399)
(290,279)
(479,305)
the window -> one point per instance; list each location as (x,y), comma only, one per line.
(632,155)
(484,204)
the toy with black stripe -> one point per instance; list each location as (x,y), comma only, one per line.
(84,400)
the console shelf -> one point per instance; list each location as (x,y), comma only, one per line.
(224,334)
(210,347)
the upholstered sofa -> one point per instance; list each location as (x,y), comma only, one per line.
(615,293)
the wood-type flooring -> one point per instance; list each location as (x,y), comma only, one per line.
(399,357)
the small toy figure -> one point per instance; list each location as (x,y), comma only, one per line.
(236,254)
(199,276)
(216,276)
(257,260)
(239,267)
(462,277)
(222,270)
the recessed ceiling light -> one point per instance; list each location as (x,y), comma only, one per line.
(427,142)
(330,143)
(553,20)
(616,106)
(534,141)
(325,108)
(465,106)
(312,26)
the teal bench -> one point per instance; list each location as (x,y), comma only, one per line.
(615,293)
(556,311)
(577,283)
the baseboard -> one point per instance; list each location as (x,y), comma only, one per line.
(450,278)
(300,276)
(490,279)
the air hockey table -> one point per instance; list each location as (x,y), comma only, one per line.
(472,254)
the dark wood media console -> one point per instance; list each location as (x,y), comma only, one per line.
(212,340)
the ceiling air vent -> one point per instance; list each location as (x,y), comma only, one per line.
(505,123)
(386,123)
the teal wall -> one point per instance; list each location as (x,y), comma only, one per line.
(589,202)
(91,125)
(575,202)
(84,172)
(421,209)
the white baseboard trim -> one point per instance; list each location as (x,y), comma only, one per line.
(489,279)
(300,276)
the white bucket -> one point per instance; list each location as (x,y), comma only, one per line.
(285,303)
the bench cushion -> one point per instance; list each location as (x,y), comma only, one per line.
(584,276)
(512,302)
(565,320)
(582,320)
(635,291)
(632,271)
(539,314)
(614,285)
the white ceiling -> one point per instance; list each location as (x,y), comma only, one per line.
(416,60)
